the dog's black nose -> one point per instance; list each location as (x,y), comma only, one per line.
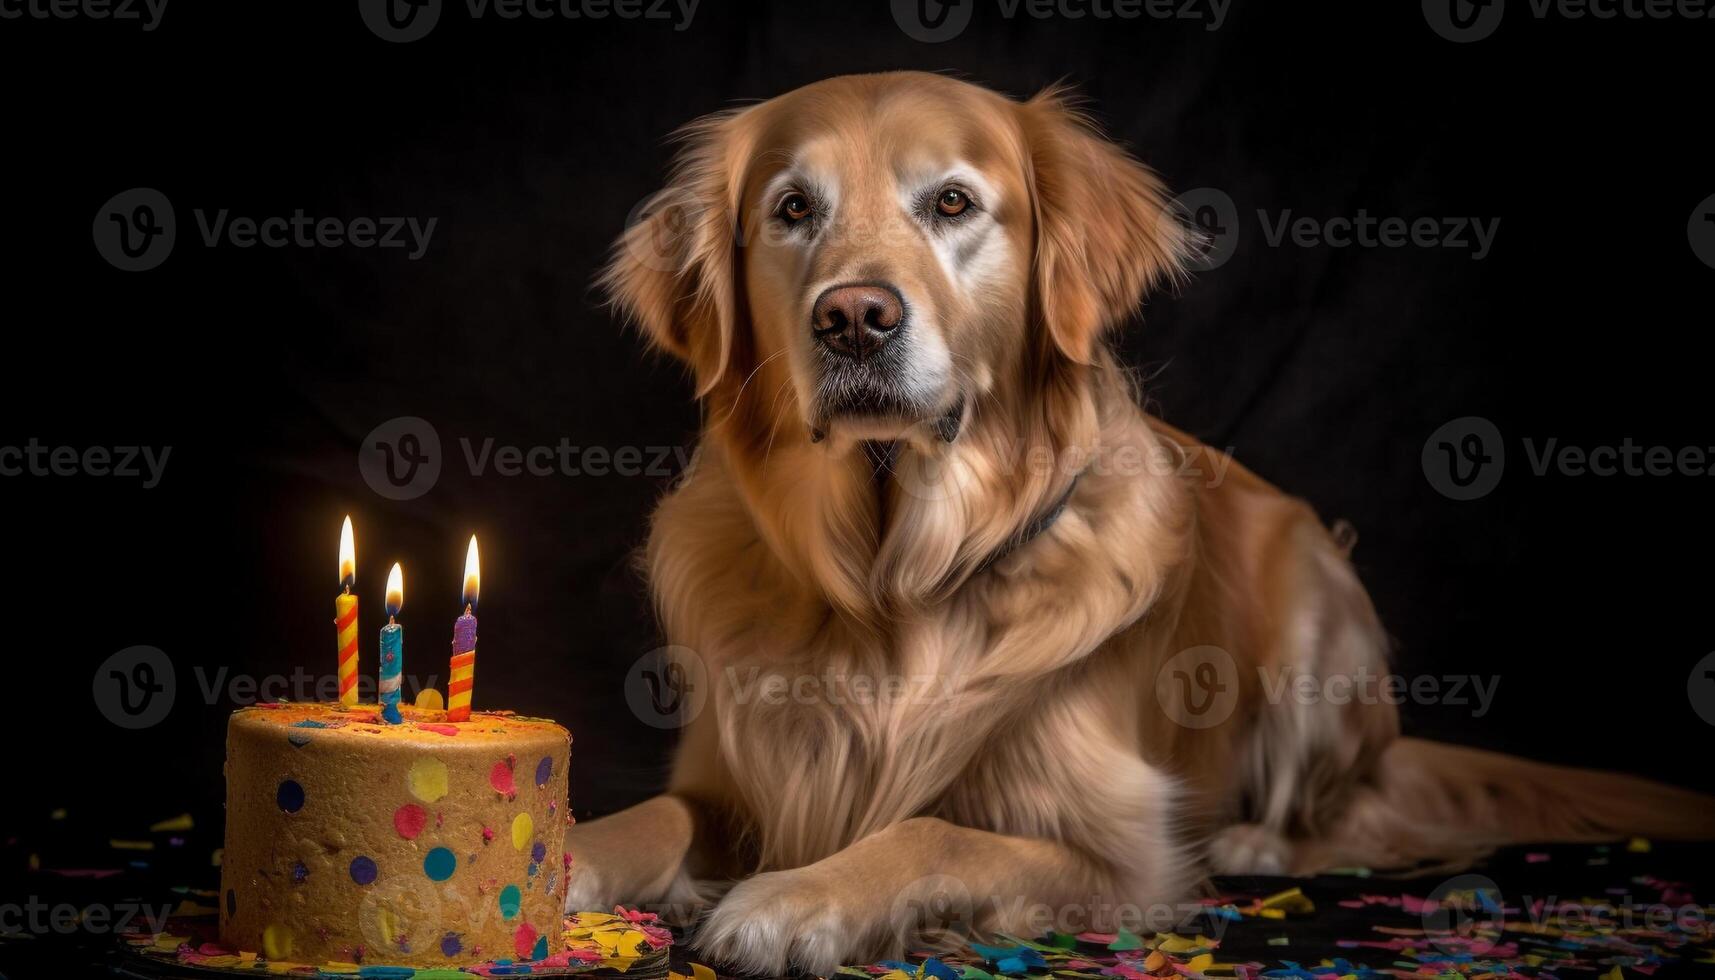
(856,320)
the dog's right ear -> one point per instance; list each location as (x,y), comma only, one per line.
(674,271)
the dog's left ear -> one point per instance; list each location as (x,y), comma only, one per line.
(1105,228)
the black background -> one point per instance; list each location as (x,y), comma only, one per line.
(530,141)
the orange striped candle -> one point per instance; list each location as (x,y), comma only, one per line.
(345,616)
(462,676)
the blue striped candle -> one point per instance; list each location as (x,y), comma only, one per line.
(392,648)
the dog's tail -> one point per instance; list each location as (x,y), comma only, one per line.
(1446,806)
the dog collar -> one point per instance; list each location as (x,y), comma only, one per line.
(1036,528)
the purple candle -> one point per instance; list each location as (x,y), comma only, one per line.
(463,674)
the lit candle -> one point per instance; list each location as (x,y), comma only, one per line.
(463,673)
(345,616)
(392,648)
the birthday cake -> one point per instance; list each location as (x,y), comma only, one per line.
(424,843)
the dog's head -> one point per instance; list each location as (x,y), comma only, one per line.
(881,251)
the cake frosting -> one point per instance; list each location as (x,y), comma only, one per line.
(427,843)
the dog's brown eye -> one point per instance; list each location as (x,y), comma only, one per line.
(952,202)
(795,207)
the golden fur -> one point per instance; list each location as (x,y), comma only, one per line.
(1040,771)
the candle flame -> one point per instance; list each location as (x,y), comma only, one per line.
(347,556)
(395,590)
(472,574)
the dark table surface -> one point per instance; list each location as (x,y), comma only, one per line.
(1640,906)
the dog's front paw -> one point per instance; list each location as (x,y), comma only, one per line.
(794,918)
(1250,849)
(589,890)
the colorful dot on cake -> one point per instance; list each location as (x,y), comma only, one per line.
(363,870)
(428,779)
(231,902)
(452,944)
(538,852)
(299,873)
(523,828)
(524,940)
(290,796)
(409,820)
(277,942)
(544,771)
(511,899)
(540,950)
(298,741)
(439,864)
(500,777)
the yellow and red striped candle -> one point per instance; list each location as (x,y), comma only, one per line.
(462,675)
(345,616)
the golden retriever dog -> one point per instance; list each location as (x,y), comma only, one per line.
(943,578)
